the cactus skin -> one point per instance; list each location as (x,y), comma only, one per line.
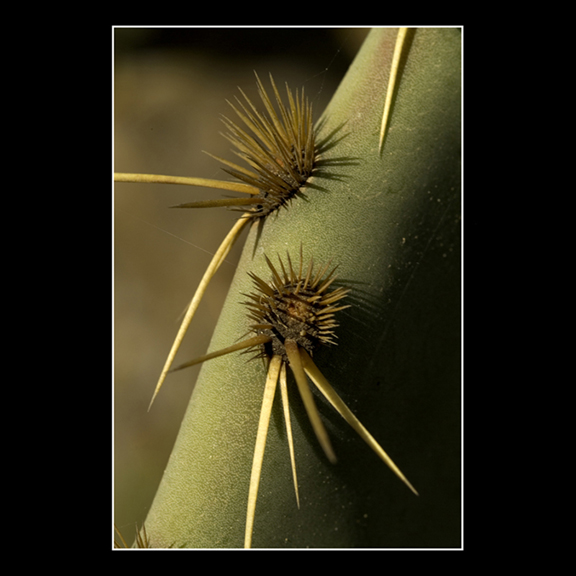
(392,222)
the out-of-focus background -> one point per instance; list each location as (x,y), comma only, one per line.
(170,89)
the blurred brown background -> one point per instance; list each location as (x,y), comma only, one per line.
(170,88)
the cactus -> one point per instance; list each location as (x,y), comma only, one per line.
(390,217)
